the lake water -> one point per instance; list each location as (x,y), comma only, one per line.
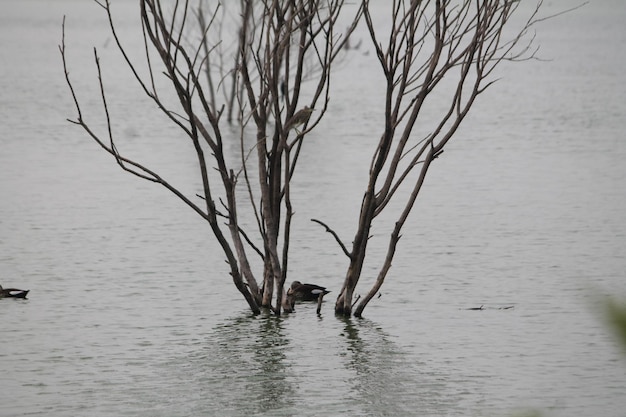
(132,312)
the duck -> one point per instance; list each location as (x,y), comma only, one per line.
(12,293)
(306,292)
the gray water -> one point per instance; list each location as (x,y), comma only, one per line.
(132,312)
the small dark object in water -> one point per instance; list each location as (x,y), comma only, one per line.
(306,292)
(482,307)
(12,293)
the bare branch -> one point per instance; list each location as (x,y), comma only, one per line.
(337,239)
(428,42)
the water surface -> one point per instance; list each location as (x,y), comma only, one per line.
(132,311)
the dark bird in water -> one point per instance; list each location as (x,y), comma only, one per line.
(12,293)
(306,292)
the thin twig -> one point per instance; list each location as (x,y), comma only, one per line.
(332,232)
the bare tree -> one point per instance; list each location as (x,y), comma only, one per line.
(274,77)
(460,42)
(281,61)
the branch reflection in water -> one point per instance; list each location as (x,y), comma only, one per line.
(304,364)
(386,379)
(240,368)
